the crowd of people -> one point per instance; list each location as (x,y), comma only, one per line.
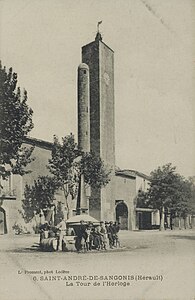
(88,236)
(97,237)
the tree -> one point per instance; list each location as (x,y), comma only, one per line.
(39,196)
(162,189)
(63,166)
(192,199)
(68,164)
(169,192)
(180,204)
(15,124)
(141,200)
(95,173)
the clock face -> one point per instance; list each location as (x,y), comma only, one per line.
(106,78)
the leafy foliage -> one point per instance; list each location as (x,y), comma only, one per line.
(95,173)
(181,198)
(39,196)
(15,123)
(162,186)
(23,159)
(168,192)
(63,165)
(191,202)
(68,163)
(141,199)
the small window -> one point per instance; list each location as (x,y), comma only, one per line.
(85,72)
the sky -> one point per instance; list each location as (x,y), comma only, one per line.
(153,41)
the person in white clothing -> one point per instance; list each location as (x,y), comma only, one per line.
(62,232)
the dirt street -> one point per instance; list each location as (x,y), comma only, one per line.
(149,265)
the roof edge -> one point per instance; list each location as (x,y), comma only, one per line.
(96,42)
(38,143)
(134,173)
(126,175)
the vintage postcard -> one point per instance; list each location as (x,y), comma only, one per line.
(97,150)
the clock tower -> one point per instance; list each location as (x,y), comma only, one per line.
(100,60)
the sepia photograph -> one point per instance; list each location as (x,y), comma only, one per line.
(97,150)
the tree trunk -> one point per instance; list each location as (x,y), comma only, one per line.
(162,219)
(171,222)
(185,221)
(66,203)
(179,222)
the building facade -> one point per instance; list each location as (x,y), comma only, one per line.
(12,191)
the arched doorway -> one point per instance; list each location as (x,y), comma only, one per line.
(3,227)
(122,215)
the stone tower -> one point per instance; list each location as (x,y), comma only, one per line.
(83,108)
(100,60)
(83,130)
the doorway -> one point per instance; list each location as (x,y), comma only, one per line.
(144,220)
(3,227)
(122,215)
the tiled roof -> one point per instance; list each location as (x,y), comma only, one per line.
(132,173)
(125,173)
(38,143)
